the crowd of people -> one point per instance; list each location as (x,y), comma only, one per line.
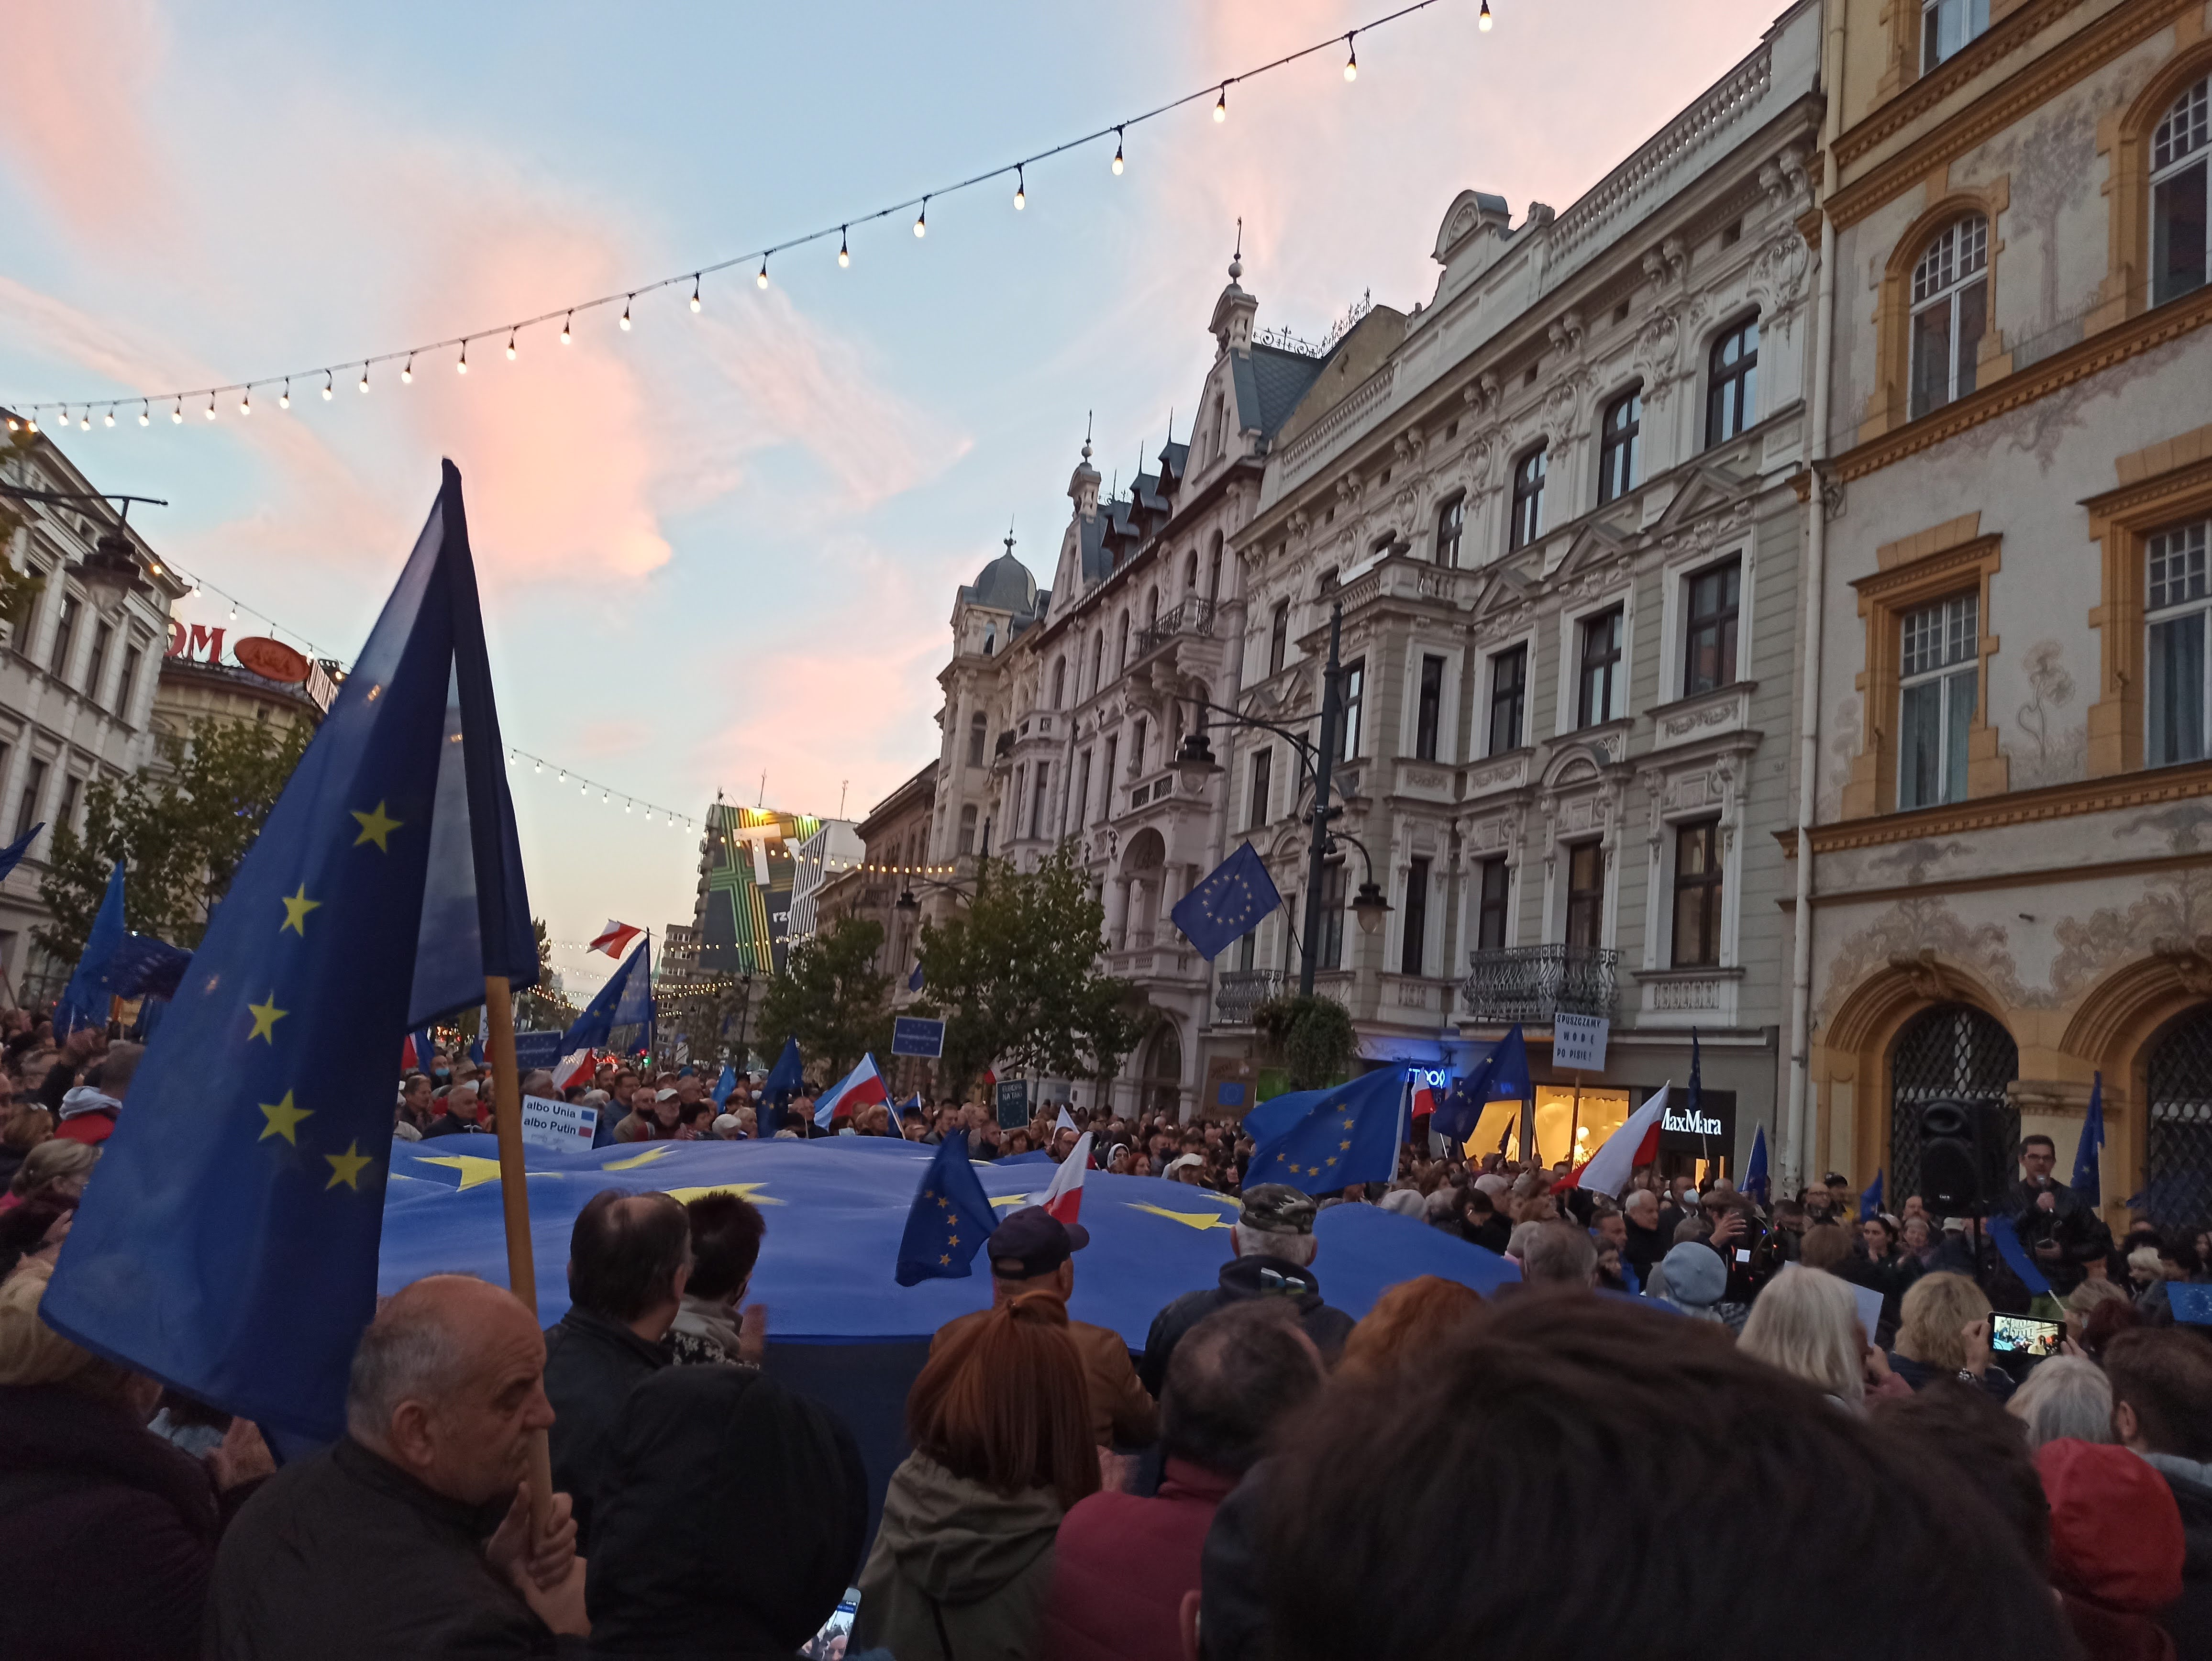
(1696,1423)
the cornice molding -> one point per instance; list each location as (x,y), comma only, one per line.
(1928,567)
(1946,78)
(2129,791)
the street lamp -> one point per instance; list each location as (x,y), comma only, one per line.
(110,570)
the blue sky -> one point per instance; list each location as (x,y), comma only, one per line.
(724,546)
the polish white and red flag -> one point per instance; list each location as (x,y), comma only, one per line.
(1636,1142)
(1425,1103)
(860,1088)
(614,939)
(1064,1199)
(580,1068)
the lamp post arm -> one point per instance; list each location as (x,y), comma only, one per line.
(1369,859)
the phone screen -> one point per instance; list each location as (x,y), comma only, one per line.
(830,1643)
(2023,1334)
(1743,1254)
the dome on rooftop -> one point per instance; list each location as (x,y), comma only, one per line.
(1005,585)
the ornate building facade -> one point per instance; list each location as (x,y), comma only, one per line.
(2007,875)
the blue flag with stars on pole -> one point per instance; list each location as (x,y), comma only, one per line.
(1229,904)
(950,1220)
(229,1247)
(625,1000)
(86,999)
(1320,1140)
(2089,1152)
(1502,1075)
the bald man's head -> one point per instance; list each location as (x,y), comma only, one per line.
(447,1384)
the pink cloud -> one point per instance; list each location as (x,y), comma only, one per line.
(74,79)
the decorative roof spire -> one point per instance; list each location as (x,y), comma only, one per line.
(1236,259)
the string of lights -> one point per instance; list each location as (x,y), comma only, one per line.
(243,391)
(608,795)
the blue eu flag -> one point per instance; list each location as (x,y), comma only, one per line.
(626,1000)
(950,1220)
(1320,1140)
(724,1084)
(12,854)
(229,1246)
(85,1000)
(2089,1152)
(1502,1075)
(1756,1183)
(788,1077)
(1229,904)
(1871,1200)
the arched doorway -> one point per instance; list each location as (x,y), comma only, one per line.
(1953,1050)
(1162,1084)
(2177,1133)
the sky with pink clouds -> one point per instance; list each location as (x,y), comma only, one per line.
(724,546)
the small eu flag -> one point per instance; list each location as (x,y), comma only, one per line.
(2089,1152)
(950,1220)
(724,1084)
(86,999)
(625,1001)
(788,1077)
(1756,1183)
(1229,904)
(1502,1075)
(1871,1200)
(1320,1140)
(914,981)
(229,1246)
(12,854)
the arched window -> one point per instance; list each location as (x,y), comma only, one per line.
(1213,571)
(1190,572)
(1617,443)
(2178,1135)
(1950,310)
(1451,523)
(1124,659)
(1732,382)
(2180,159)
(1528,523)
(1952,1050)
(1097,660)
(1059,683)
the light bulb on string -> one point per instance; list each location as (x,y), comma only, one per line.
(145,413)
(1351,62)
(539,768)
(1483,21)
(510,345)
(211,408)
(407,371)
(284,399)
(461,365)
(64,415)
(588,789)
(694,291)
(1117,152)
(109,418)
(234,610)
(567,324)
(1021,194)
(177,415)
(762,278)
(84,421)
(326,385)
(245,401)
(364,380)
(564,777)
(844,253)
(921,219)
(625,316)
(1221,104)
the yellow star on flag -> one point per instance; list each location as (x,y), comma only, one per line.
(375,827)
(1197,1219)
(265,1017)
(637,1160)
(283,1119)
(296,907)
(346,1167)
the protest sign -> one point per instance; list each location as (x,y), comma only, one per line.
(547,1123)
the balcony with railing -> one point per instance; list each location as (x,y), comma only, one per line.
(1242,991)
(1194,616)
(1532,983)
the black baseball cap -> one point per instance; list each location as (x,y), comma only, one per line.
(1033,1242)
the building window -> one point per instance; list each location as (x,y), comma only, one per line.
(1329,949)
(1939,665)
(58,661)
(1059,683)
(72,791)
(1732,385)
(1083,790)
(2180,160)
(1429,714)
(1106,778)
(1190,572)
(2175,717)
(1698,896)
(1709,649)
(1098,660)
(1213,571)
(1451,522)
(1508,698)
(1123,660)
(1601,667)
(1260,809)
(1248,950)
(1279,636)
(128,683)
(1586,894)
(1354,694)
(1414,956)
(34,787)
(1038,794)
(979,731)
(1528,523)
(1137,749)
(1617,446)
(1950,309)
(968,829)
(1946,25)
(1496,883)
(102,636)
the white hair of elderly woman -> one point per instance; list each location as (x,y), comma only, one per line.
(1805,1322)
(2064,1395)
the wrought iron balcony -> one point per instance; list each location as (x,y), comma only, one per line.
(1243,990)
(1532,983)
(1193,617)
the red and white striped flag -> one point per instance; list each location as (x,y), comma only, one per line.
(614,939)
(1064,1199)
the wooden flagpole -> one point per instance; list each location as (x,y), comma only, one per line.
(514,1207)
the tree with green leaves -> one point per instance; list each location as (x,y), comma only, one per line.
(1015,978)
(184,825)
(541,1009)
(831,998)
(1312,1037)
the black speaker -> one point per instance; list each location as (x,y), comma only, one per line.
(1965,1158)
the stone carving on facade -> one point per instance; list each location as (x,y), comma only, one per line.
(1658,344)
(1778,280)
(1566,332)
(1667,263)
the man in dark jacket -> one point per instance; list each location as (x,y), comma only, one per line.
(1645,1245)
(412,1535)
(2060,1229)
(629,1259)
(1274,1247)
(2162,1409)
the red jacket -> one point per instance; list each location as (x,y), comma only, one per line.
(2116,1547)
(1121,1565)
(92,1128)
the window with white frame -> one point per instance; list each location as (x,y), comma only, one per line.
(1619,435)
(967,842)
(979,729)
(1428,709)
(1732,382)
(1698,877)
(1528,523)
(1711,598)
(1508,698)
(1279,637)
(1948,25)
(1950,310)
(2180,162)
(1598,674)
(2178,689)
(1352,696)
(1451,522)
(1939,668)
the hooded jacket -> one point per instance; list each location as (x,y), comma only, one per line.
(87,1115)
(707,1459)
(1259,1275)
(592,1364)
(2116,1547)
(2190,1619)
(959,1572)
